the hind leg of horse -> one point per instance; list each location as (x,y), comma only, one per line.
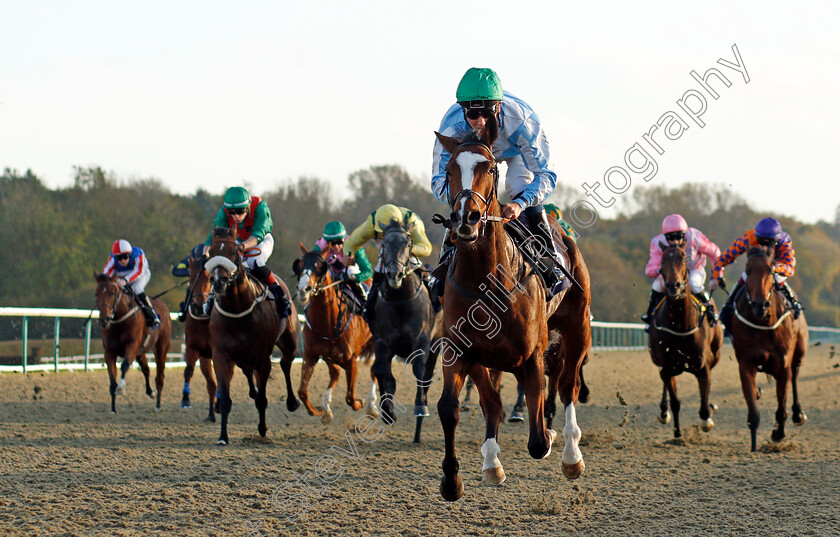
(583,389)
(491,406)
(162,348)
(664,413)
(748,387)
(144,367)
(252,388)
(706,409)
(465,406)
(387,382)
(111,362)
(286,366)
(326,397)
(224,374)
(210,380)
(550,400)
(309,361)
(572,465)
(782,382)
(424,380)
(261,401)
(451,486)
(531,377)
(799,417)
(124,367)
(670,383)
(190,357)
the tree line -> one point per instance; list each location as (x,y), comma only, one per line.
(55,239)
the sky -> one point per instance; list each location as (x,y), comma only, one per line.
(210,94)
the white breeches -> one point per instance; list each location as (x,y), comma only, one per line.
(266,247)
(696,278)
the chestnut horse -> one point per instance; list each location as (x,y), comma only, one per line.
(495,315)
(197,334)
(768,338)
(332,331)
(124,333)
(681,339)
(244,328)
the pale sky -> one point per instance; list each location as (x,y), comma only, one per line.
(212,94)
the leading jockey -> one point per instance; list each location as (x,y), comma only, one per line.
(521,144)
(372,229)
(354,269)
(698,249)
(129,263)
(768,232)
(251,218)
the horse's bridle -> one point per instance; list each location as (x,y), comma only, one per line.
(766,298)
(404,269)
(117,296)
(680,287)
(232,266)
(472,194)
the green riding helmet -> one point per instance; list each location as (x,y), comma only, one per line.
(334,231)
(237,197)
(479,84)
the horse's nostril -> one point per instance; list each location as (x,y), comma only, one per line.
(473,217)
(453,216)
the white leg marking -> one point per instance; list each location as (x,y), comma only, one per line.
(120,388)
(326,399)
(707,425)
(491,468)
(571,433)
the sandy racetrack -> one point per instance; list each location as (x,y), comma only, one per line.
(71,468)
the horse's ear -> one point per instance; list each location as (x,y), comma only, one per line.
(663,246)
(410,226)
(302,247)
(296,267)
(450,144)
(490,131)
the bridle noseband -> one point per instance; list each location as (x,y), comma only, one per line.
(403,268)
(474,196)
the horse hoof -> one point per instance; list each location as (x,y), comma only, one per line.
(665,418)
(370,410)
(157,408)
(707,425)
(292,405)
(494,476)
(210,419)
(801,421)
(326,417)
(777,436)
(713,407)
(573,471)
(552,434)
(451,489)
(465,407)
(516,416)
(151,393)
(186,404)
(221,442)
(120,388)
(421,411)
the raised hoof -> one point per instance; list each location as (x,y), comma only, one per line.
(552,434)
(326,417)
(802,418)
(292,404)
(665,419)
(421,411)
(713,407)
(706,425)
(451,489)
(573,471)
(186,404)
(120,390)
(210,419)
(151,393)
(516,416)
(221,442)
(494,476)
(465,407)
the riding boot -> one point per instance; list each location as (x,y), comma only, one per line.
(438,276)
(703,298)
(555,278)
(358,291)
(728,309)
(182,307)
(370,304)
(655,298)
(787,292)
(266,277)
(427,281)
(152,318)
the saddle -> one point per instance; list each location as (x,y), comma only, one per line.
(534,252)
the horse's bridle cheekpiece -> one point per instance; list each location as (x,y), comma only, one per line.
(475,196)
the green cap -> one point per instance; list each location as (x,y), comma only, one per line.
(334,230)
(237,197)
(479,84)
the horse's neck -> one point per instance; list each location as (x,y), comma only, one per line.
(324,307)
(408,288)
(490,252)
(243,293)
(681,311)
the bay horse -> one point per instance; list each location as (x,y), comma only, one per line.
(197,333)
(244,328)
(125,333)
(496,316)
(768,338)
(332,331)
(403,323)
(681,339)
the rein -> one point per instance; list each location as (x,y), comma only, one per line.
(117,296)
(233,269)
(751,303)
(262,296)
(700,308)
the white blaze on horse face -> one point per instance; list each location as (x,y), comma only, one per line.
(571,433)
(468,161)
(303,283)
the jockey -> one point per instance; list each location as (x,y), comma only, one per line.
(698,248)
(129,263)
(250,216)
(372,229)
(356,269)
(768,232)
(521,144)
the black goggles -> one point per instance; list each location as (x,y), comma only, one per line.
(238,211)
(336,242)
(122,257)
(766,241)
(675,236)
(475,113)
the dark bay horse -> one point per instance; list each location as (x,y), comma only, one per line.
(124,333)
(197,334)
(403,323)
(244,328)
(332,331)
(681,339)
(496,316)
(768,338)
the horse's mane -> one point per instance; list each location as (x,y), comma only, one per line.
(102,278)
(758,250)
(222,232)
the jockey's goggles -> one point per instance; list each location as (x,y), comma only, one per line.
(475,113)
(122,257)
(336,242)
(675,236)
(241,210)
(765,241)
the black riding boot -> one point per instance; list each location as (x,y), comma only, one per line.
(427,281)
(787,292)
(358,292)
(182,307)
(152,318)
(703,298)
(554,277)
(655,298)
(282,304)
(437,278)
(370,305)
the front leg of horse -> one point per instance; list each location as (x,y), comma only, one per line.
(782,381)
(748,387)
(491,405)
(387,382)
(706,409)
(126,364)
(210,380)
(190,357)
(309,361)
(451,486)
(532,378)
(252,388)
(261,401)
(111,362)
(550,402)
(670,382)
(664,413)
(799,417)
(350,374)
(292,403)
